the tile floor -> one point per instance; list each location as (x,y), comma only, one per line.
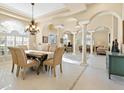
(92,76)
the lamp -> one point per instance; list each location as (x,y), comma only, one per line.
(33,27)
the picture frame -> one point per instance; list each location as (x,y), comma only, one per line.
(45,39)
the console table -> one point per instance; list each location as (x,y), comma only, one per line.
(115,63)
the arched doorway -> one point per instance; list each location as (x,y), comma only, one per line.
(116,28)
(67,37)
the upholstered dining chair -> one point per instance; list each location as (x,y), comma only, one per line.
(56,60)
(23,62)
(14,58)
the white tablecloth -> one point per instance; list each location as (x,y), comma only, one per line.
(50,54)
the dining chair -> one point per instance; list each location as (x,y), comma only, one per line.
(23,62)
(14,58)
(56,60)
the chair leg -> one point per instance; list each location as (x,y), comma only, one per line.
(48,68)
(54,71)
(17,72)
(61,68)
(23,73)
(12,67)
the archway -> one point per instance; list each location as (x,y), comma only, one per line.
(101,39)
(105,13)
(67,37)
(116,21)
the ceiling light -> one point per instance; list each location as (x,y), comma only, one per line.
(32,27)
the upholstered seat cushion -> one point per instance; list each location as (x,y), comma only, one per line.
(48,62)
(31,62)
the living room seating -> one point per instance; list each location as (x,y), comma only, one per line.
(101,50)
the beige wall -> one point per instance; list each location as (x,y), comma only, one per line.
(100,38)
(100,21)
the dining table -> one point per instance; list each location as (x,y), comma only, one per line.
(39,56)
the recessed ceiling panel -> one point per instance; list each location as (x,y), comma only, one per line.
(39,8)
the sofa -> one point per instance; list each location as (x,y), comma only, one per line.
(101,50)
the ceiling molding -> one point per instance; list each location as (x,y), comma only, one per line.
(52,14)
(64,12)
(12,13)
(73,9)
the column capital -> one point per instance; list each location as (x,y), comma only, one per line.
(74,32)
(85,22)
(59,26)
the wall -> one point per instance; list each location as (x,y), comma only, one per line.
(100,21)
(100,38)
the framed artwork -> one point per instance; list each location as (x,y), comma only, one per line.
(45,39)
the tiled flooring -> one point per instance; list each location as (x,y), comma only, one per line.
(96,76)
(93,76)
(44,80)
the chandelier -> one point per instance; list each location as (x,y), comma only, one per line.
(32,27)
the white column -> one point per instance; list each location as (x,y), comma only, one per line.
(84,32)
(74,43)
(59,29)
(58,37)
(114,31)
(91,46)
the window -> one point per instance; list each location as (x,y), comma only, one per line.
(52,38)
(18,40)
(88,39)
(12,34)
(65,39)
(2,43)
(25,40)
(10,41)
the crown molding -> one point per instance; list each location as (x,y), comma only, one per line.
(15,14)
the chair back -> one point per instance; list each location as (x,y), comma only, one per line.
(13,54)
(21,56)
(58,55)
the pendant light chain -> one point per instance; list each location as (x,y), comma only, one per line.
(32,11)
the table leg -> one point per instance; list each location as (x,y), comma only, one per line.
(109,76)
(41,63)
(38,69)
